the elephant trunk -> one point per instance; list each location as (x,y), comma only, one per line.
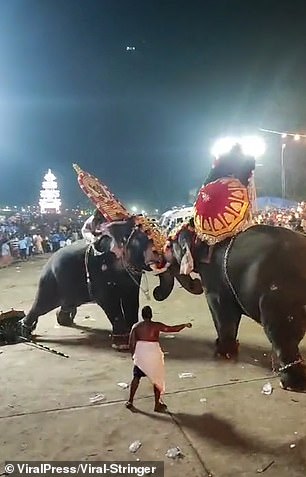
(166,284)
(192,285)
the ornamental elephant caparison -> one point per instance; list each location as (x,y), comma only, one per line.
(260,273)
(115,266)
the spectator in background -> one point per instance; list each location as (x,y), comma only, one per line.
(38,244)
(29,245)
(23,245)
(6,256)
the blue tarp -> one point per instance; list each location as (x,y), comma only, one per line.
(275,203)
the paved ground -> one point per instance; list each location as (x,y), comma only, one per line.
(45,409)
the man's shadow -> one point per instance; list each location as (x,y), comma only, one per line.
(222,432)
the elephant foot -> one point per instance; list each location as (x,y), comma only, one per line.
(65,318)
(227,349)
(25,330)
(294,378)
(120,342)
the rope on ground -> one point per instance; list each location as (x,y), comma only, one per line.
(122,401)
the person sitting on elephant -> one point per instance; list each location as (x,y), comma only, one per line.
(93,226)
(232,164)
(148,356)
(224,207)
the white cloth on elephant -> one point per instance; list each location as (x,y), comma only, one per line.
(149,358)
(103,229)
(187,263)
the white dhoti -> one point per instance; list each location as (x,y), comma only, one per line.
(149,358)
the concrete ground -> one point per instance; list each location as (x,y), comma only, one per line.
(219,418)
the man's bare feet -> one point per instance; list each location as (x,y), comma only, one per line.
(160,407)
(129,405)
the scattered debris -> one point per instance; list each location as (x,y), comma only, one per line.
(294,400)
(234,380)
(18,271)
(267,389)
(203,400)
(256,360)
(295,432)
(263,469)
(97,398)
(135,446)
(174,453)
(186,375)
(123,385)
(169,337)
(1,352)
(292,446)
(265,354)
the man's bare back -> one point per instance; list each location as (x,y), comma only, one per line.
(150,330)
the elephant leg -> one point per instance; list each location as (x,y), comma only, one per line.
(46,300)
(226,316)
(284,326)
(111,304)
(130,305)
(65,315)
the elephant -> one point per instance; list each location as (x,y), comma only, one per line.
(108,272)
(261,273)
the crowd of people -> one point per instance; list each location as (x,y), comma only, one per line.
(23,239)
(294,219)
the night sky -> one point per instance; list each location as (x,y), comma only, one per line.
(143,121)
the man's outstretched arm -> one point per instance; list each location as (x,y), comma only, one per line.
(173,329)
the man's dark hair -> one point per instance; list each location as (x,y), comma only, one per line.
(146,313)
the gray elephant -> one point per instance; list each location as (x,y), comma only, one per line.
(260,273)
(108,273)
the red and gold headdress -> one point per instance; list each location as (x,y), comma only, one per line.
(222,209)
(109,206)
(112,209)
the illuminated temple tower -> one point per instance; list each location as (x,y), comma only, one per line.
(50,202)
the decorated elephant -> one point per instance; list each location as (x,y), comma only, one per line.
(107,272)
(260,273)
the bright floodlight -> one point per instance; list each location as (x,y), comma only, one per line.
(223,146)
(252,146)
(134,208)
(284,135)
(297,137)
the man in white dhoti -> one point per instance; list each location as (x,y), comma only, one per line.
(148,356)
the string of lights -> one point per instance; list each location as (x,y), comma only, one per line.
(284,134)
